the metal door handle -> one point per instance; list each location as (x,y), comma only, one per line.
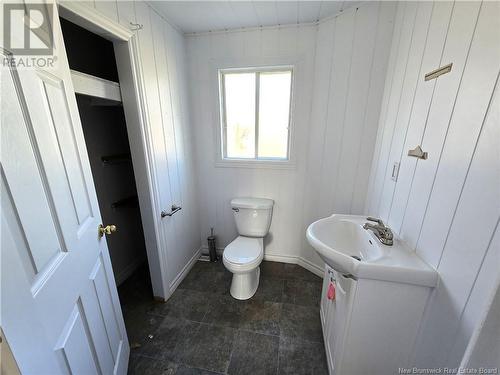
(108,229)
(173,209)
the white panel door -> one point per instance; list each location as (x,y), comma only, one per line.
(60,307)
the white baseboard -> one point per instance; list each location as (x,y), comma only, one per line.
(129,270)
(291,259)
(310,266)
(174,284)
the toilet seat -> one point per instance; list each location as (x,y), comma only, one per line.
(244,253)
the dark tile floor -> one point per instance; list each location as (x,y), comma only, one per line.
(201,329)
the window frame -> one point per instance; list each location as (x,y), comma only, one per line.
(224,160)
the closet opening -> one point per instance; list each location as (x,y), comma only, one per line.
(95,79)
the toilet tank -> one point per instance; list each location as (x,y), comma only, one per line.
(252,215)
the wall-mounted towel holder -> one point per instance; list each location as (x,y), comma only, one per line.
(417,152)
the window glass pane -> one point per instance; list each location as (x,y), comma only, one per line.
(274,114)
(240,114)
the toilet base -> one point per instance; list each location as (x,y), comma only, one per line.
(244,285)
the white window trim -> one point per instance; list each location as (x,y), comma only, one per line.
(263,66)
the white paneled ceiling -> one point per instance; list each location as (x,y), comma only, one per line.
(200,16)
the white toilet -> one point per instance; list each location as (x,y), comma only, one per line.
(243,256)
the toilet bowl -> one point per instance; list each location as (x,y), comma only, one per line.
(243,256)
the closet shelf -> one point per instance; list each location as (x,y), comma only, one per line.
(128,201)
(116,159)
(96,87)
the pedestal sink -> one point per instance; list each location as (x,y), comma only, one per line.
(344,245)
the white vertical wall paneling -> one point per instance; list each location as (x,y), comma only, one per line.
(185,160)
(326,93)
(438,31)
(406,100)
(364,45)
(389,81)
(177,128)
(453,202)
(219,185)
(476,88)
(108,7)
(483,347)
(270,41)
(342,63)
(162,93)
(183,167)
(447,227)
(165,101)
(191,181)
(409,13)
(378,73)
(465,252)
(252,42)
(126,13)
(484,168)
(319,113)
(456,50)
(89,3)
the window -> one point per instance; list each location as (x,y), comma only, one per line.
(255,113)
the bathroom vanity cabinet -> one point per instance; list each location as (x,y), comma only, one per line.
(370,326)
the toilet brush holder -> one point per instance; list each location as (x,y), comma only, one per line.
(212,249)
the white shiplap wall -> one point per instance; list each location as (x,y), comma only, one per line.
(217,185)
(350,66)
(339,84)
(447,207)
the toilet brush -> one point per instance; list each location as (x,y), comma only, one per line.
(212,251)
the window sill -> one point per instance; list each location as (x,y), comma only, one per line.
(256,164)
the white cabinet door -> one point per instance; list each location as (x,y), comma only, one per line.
(337,319)
(344,296)
(60,307)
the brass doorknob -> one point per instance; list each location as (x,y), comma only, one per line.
(108,229)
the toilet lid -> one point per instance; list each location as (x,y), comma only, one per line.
(243,250)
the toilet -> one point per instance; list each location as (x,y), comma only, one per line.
(243,256)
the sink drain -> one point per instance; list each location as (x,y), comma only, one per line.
(356,257)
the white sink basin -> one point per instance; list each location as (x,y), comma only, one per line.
(340,239)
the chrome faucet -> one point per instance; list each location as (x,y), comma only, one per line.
(381,231)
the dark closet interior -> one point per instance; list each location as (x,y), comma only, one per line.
(108,148)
